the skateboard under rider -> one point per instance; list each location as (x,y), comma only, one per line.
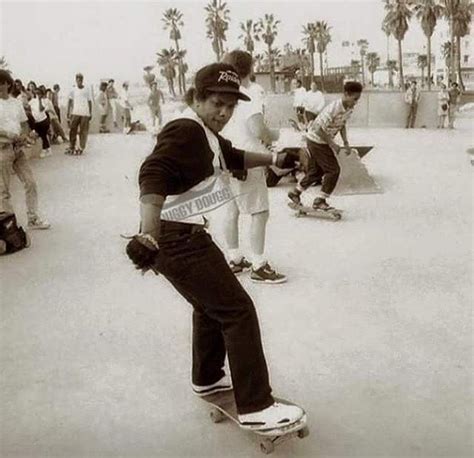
(302,210)
(223,406)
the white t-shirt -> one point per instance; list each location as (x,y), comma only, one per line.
(12,114)
(300,95)
(123,98)
(314,102)
(236,129)
(80,98)
(36,111)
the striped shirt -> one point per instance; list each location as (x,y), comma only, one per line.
(332,119)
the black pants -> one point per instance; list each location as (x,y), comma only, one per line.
(81,124)
(42,129)
(224,317)
(58,112)
(321,164)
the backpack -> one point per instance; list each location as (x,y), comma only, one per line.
(14,238)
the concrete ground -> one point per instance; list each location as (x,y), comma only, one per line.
(372,334)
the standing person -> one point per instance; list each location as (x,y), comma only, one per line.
(13,131)
(57,129)
(79,114)
(187,160)
(55,100)
(454,99)
(322,147)
(299,94)
(412,97)
(247,131)
(313,103)
(41,121)
(103,106)
(124,102)
(112,97)
(154,99)
(443,106)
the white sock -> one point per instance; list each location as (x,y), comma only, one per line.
(258,261)
(235,255)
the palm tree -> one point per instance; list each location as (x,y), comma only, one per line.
(373,62)
(396,19)
(267,30)
(428,12)
(173,19)
(462,20)
(258,58)
(167,60)
(249,35)
(386,30)
(323,38)
(446,52)
(363,45)
(3,63)
(391,68)
(309,40)
(450,9)
(422,62)
(217,22)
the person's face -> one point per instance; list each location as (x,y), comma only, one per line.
(314,88)
(4,86)
(351,99)
(56,89)
(216,110)
(79,80)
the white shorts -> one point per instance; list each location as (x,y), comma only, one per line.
(251,194)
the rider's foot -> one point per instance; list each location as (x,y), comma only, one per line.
(276,416)
(320,204)
(295,196)
(224,384)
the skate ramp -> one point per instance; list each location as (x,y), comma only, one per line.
(354,177)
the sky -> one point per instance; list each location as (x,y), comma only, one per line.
(51,41)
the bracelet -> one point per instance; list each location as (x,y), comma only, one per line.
(150,239)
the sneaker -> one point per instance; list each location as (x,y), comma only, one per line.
(277,416)
(320,204)
(239,267)
(38,223)
(267,275)
(78,151)
(46,153)
(69,151)
(295,196)
(224,384)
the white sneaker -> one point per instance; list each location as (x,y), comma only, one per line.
(224,384)
(45,153)
(276,416)
(38,223)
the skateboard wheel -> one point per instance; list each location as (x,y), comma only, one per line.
(337,216)
(303,432)
(216,416)
(267,447)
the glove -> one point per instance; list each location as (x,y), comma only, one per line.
(142,250)
(280,159)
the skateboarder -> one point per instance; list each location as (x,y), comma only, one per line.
(322,148)
(185,167)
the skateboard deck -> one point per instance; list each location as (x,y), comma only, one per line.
(223,406)
(301,210)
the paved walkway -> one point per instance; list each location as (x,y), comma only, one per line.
(372,334)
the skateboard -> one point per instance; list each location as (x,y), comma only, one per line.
(301,210)
(223,406)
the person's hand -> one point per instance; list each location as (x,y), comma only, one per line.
(336,148)
(142,250)
(347,150)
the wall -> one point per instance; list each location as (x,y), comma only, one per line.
(374,109)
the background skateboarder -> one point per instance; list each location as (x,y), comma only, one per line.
(322,147)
